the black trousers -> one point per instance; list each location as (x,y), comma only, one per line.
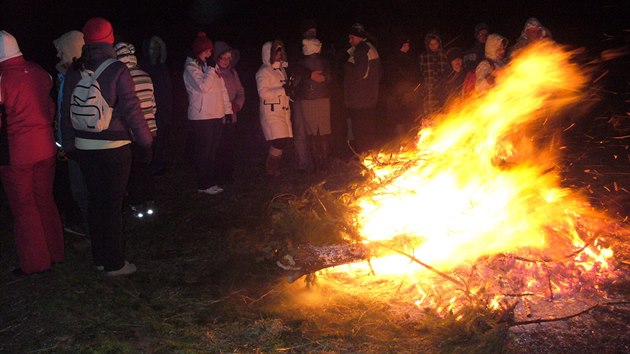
(106,173)
(363,128)
(226,154)
(141,187)
(206,136)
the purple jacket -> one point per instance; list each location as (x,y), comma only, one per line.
(118,89)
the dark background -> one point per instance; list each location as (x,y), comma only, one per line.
(247,24)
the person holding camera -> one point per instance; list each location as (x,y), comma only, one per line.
(208,107)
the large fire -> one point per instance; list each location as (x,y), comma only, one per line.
(484,179)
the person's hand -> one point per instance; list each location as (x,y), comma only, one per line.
(235,107)
(318,76)
(227,119)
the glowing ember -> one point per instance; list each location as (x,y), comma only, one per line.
(483,180)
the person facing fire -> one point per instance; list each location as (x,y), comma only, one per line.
(474,55)
(362,75)
(312,104)
(533,31)
(495,59)
(105,156)
(27,158)
(304,160)
(208,106)
(227,58)
(274,90)
(400,83)
(451,83)
(432,66)
(69,46)
(141,187)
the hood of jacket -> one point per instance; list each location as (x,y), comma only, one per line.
(429,37)
(267,53)
(533,22)
(69,47)
(126,53)
(221,47)
(8,46)
(154,50)
(493,44)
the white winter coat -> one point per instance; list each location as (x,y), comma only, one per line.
(491,63)
(275,112)
(207,96)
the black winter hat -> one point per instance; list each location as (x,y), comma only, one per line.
(358,30)
(307,25)
(454,53)
(480,26)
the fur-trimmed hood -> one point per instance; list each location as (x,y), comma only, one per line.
(494,42)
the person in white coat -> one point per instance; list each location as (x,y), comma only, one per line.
(485,74)
(208,107)
(275,113)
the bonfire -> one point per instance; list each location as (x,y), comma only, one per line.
(473,211)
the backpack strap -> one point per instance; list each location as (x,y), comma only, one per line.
(103,66)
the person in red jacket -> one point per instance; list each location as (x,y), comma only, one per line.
(27,158)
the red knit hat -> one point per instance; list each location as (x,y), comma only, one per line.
(201,43)
(98,30)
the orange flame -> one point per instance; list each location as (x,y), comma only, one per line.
(481,179)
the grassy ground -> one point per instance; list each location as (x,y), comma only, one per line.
(206,283)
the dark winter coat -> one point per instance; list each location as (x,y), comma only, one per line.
(308,89)
(362,74)
(118,89)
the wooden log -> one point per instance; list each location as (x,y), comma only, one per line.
(306,259)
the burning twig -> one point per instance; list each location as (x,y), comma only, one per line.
(443,275)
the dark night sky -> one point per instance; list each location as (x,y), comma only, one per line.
(247,24)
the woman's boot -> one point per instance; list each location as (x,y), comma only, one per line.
(274,157)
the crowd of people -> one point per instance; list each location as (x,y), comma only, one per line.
(110,164)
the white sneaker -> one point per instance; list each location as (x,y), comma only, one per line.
(128,268)
(212,190)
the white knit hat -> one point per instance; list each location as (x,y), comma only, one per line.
(8,46)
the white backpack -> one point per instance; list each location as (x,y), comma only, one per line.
(88,109)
